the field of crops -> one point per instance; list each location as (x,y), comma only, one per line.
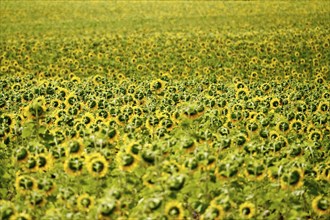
(148,110)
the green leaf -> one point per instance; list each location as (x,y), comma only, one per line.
(42,130)
(28,130)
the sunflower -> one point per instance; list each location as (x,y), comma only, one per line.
(133,147)
(188,144)
(293,179)
(174,210)
(255,171)
(97,166)
(253,126)
(7,209)
(107,209)
(36,200)
(275,103)
(150,178)
(157,86)
(127,161)
(88,118)
(315,135)
(283,126)
(46,185)
(247,210)
(225,170)
(321,205)
(74,165)
(85,202)
(242,92)
(112,134)
(44,161)
(22,155)
(297,126)
(25,184)
(75,147)
(274,174)
(214,212)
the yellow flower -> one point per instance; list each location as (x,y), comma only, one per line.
(36,199)
(85,202)
(74,165)
(157,85)
(241,92)
(315,135)
(25,184)
(151,178)
(127,161)
(22,155)
(74,146)
(292,179)
(7,209)
(174,210)
(246,210)
(97,166)
(214,212)
(107,209)
(321,205)
(44,161)
(275,103)
(46,186)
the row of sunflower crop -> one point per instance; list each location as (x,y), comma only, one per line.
(299,53)
(166,148)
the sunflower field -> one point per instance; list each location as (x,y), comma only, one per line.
(164,110)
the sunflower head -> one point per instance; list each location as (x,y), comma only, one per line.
(127,161)
(214,212)
(292,179)
(174,210)
(321,205)
(25,184)
(85,202)
(107,208)
(7,209)
(97,166)
(74,165)
(247,210)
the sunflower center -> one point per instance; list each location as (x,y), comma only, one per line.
(86,202)
(128,159)
(246,211)
(98,166)
(323,204)
(294,178)
(174,211)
